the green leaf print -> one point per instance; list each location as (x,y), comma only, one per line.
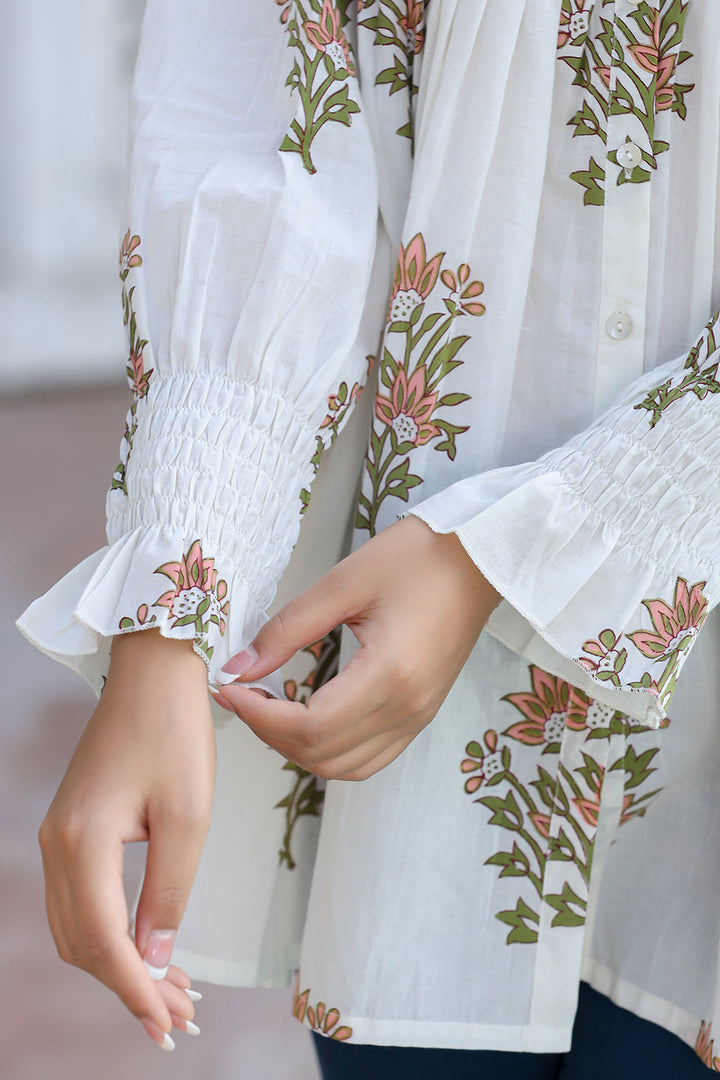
(625,66)
(418,354)
(551,813)
(323,59)
(522,919)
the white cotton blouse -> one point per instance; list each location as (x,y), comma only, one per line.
(501,220)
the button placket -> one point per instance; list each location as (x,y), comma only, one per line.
(626,238)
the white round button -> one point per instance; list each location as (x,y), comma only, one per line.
(629,155)
(619,326)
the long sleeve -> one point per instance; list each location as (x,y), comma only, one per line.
(607,549)
(252,268)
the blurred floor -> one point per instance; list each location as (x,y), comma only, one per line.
(58,452)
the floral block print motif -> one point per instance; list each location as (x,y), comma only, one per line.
(701,378)
(339,406)
(321,70)
(307,793)
(319,1017)
(704,1047)
(196,599)
(418,355)
(625,66)
(551,814)
(399,25)
(673,627)
(138,378)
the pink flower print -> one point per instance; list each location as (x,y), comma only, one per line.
(484,763)
(598,715)
(589,810)
(467,291)
(410,408)
(704,1046)
(285,13)
(674,626)
(328,36)
(552,706)
(542,824)
(138,377)
(574,21)
(660,65)
(197,596)
(412,24)
(415,277)
(319,1017)
(128,258)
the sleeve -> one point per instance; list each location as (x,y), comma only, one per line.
(607,550)
(249,243)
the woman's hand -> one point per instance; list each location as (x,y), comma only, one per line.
(416,602)
(144,769)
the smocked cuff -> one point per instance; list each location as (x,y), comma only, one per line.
(604,550)
(199,534)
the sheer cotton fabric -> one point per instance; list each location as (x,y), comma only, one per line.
(502,218)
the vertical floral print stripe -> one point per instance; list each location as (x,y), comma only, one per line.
(553,816)
(400,26)
(417,357)
(625,66)
(318,1017)
(307,793)
(339,406)
(700,378)
(673,627)
(321,70)
(704,1047)
(138,378)
(196,599)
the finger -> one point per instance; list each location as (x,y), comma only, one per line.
(333,712)
(303,621)
(176,1000)
(178,977)
(89,918)
(185,1025)
(370,768)
(176,834)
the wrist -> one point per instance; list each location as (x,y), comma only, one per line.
(146,653)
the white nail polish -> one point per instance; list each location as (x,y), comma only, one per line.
(167,1043)
(191,1029)
(156,973)
(194,995)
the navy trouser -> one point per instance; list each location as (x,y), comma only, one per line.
(608,1043)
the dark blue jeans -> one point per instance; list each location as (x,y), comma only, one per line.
(608,1043)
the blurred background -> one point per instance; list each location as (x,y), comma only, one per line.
(65,71)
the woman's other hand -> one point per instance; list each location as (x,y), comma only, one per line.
(144,769)
(417,603)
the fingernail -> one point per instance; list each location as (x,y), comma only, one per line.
(194,995)
(158,950)
(191,1029)
(241,662)
(219,700)
(158,1036)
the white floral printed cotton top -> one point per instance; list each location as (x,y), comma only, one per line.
(501,220)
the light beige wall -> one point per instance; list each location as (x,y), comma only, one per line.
(64,75)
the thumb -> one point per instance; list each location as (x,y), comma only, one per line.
(175,843)
(303,621)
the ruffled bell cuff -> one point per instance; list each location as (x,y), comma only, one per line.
(605,551)
(200,531)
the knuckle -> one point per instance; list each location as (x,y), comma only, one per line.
(189,814)
(90,955)
(324,770)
